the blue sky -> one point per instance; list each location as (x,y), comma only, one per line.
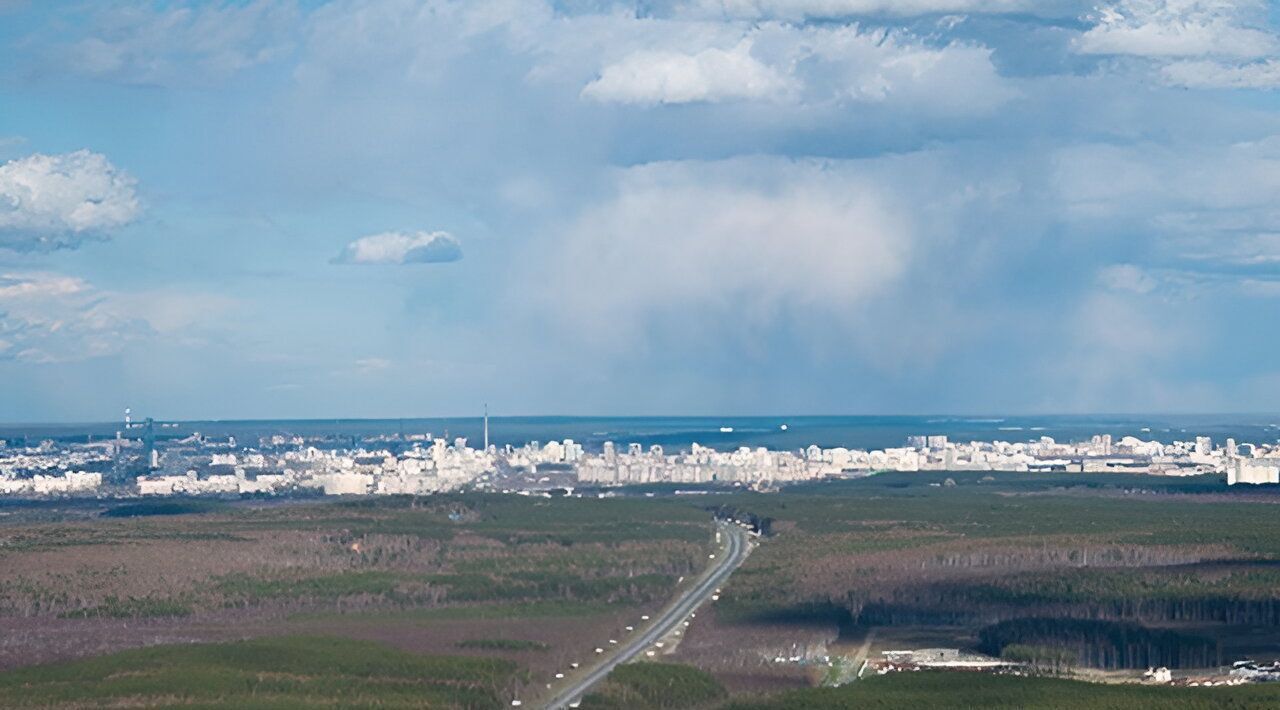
(411,207)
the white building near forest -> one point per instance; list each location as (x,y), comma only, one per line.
(1245,471)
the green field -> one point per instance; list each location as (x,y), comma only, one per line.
(283,672)
(896,691)
(656,686)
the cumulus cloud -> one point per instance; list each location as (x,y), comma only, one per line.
(1194,44)
(402,248)
(666,77)
(1179,28)
(700,248)
(56,201)
(811,66)
(47,317)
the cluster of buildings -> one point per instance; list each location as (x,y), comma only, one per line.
(420,464)
(48,469)
(1242,463)
(277,465)
(418,467)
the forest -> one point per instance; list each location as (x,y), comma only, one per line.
(1066,574)
(1123,573)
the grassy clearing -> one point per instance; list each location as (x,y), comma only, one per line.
(980,690)
(249,590)
(131,608)
(531,610)
(656,686)
(503,645)
(163,507)
(280,672)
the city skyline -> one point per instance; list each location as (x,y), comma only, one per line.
(395,208)
(137,462)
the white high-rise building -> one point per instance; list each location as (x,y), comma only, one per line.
(1204,445)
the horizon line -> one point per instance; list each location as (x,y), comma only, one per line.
(973,418)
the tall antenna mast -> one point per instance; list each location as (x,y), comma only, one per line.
(486,426)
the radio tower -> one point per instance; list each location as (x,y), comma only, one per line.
(486,427)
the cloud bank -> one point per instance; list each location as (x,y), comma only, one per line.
(1179,28)
(701,249)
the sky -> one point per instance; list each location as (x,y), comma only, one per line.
(396,208)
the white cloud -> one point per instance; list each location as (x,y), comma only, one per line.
(809,66)
(1206,74)
(677,55)
(1180,28)
(54,201)
(725,248)
(672,59)
(402,248)
(1195,44)
(667,77)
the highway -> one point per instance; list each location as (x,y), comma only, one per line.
(728,557)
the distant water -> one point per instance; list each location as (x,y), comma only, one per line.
(680,432)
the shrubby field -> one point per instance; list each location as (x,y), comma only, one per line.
(470,600)
(518,579)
